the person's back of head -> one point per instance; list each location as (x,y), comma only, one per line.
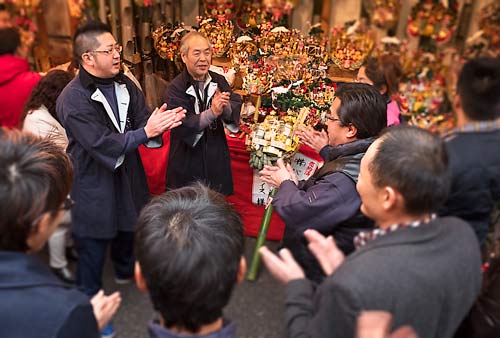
(479,89)
(35,179)
(189,246)
(414,163)
(47,91)
(362,106)
(11,41)
(385,73)
(85,38)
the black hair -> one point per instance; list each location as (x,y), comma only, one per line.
(35,177)
(189,243)
(364,107)
(415,163)
(479,89)
(85,39)
(11,40)
(47,91)
(384,71)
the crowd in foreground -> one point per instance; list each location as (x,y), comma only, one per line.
(394,221)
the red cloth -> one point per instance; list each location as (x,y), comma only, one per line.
(155,165)
(16,83)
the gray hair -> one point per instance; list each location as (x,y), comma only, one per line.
(184,47)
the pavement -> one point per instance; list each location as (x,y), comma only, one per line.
(255,307)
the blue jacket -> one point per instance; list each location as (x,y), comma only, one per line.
(157,331)
(110,186)
(35,303)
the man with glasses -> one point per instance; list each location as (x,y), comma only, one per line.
(35,178)
(106,119)
(328,201)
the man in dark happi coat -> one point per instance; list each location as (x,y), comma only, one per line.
(198,148)
(106,119)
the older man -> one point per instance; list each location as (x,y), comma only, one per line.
(328,201)
(423,270)
(198,149)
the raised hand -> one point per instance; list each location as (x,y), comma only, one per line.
(283,267)
(105,307)
(314,139)
(329,256)
(162,120)
(219,101)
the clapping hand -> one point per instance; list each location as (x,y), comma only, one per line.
(329,256)
(283,267)
(275,175)
(162,120)
(105,307)
(314,139)
(219,101)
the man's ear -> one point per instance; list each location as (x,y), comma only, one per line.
(352,131)
(37,235)
(139,278)
(183,57)
(242,270)
(87,59)
(389,198)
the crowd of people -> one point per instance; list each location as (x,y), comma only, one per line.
(396,220)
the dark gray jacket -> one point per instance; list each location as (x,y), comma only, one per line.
(427,277)
(327,202)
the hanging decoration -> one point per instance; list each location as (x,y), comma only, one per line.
(219,9)
(219,32)
(278,10)
(432,19)
(350,46)
(383,14)
(166,42)
(250,16)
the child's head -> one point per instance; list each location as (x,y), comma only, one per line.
(189,246)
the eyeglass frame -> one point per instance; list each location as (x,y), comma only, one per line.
(331,118)
(67,204)
(108,52)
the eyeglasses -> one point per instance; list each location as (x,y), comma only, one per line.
(117,48)
(67,204)
(331,118)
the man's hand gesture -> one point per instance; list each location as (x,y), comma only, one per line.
(219,101)
(162,120)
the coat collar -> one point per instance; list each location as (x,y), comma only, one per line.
(156,331)
(89,81)
(123,100)
(18,269)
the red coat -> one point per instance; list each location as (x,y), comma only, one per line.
(16,83)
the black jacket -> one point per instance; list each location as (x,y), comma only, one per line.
(475,168)
(199,155)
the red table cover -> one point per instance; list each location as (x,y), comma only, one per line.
(155,165)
